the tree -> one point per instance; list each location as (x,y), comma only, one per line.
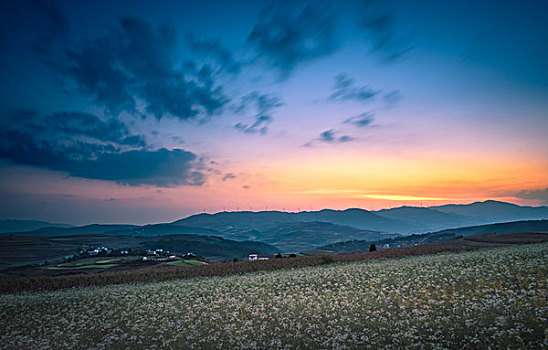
(372,247)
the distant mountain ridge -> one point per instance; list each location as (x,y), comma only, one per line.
(491,211)
(308,229)
(525,226)
(13,225)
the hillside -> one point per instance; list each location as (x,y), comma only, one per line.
(22,250)
(424,219)
(25,225)
(80,230)
(488,293)
(442,236)
(301,236)
(265,220)
(495,211)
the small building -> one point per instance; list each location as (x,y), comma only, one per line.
(255,257)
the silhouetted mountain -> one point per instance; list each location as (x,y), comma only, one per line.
(162,229)
(25,225)
(494,211)
(88,229)
(302,236)
(306,230)
(264,220)
(499,228)
(419,220)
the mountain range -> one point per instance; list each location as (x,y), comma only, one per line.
(305,230)
(525,226)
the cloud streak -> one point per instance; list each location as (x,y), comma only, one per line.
(289,34)
(264,105)
(345,89)
(329,137)
(540,195)
(362,120)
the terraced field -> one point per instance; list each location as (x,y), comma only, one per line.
(488,298)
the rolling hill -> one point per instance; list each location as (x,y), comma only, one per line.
(25,225)
(419,220)
(21,250)
(301,236)
(494,211)
(443,235)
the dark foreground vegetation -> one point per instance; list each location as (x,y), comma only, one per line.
(20,284)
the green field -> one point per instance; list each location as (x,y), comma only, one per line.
(185,263)
(79,266)
(478,299)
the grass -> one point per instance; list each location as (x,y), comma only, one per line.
(486,298)
(185,263)
(105,261)
(79,267)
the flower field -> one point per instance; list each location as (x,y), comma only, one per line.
(489,298)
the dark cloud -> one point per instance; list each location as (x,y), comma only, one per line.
(55,25)
(379,26)
(135,61)
(361,120)
(328,136)
(290,33)
(229,176)
(84,145)
(540,195)
(264,106)
(345,89)
(214,49)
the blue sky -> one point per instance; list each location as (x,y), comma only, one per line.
(137,111)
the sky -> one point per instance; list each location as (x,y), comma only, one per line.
(143,112)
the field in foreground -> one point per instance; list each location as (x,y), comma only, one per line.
(475,299)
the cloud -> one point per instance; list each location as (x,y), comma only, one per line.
(362,120)
(392,98)
(290,33)
(134,61)
(55,25)
(214,49)
(344,89)
(84,145)
(379,26)
(229,176)
(264,105)
(540,195)
(330,136)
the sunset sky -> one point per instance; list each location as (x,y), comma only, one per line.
(143,112)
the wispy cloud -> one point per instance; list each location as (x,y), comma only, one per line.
(264,106)
(539,194)
(290,33)
(362,120)
(345,89)
(330,137)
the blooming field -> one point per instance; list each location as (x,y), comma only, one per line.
(486,298)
